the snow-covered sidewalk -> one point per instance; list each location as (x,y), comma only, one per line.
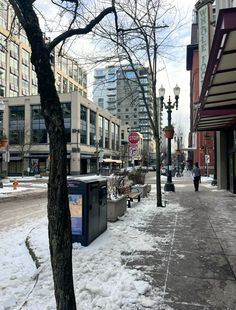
(100,279)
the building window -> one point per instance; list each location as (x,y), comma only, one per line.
(66,108)
(92,127)
(16,124)
(106,134)
(38,128)
(113,136)
(83,122)
(65,85)
(101,119)
(25,58)
(130,74)
(13,66)
(117,135)
(14,50)
(3,14)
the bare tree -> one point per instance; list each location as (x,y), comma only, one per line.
(59,225)
(143,30)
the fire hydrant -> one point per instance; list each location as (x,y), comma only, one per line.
(15,184)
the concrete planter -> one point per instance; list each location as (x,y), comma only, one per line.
(116,208)
(143,189)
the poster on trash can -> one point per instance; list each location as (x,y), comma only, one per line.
(75,205)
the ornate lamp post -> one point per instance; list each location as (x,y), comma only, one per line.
(169,106)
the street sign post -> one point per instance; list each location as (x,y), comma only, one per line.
(133,138)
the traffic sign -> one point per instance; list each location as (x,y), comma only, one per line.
(207,158)
(133,137)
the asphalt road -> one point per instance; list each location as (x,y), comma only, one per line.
(27,208)
(19,211)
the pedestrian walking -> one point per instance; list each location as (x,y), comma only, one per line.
(196,173)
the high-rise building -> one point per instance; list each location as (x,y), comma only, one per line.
(116,89)
(17,74)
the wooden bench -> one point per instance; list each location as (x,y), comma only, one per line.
(131,194)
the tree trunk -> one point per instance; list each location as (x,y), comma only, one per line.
(59,224)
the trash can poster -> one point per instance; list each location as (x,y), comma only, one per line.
(75,204)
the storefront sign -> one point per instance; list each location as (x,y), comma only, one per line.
(203,30)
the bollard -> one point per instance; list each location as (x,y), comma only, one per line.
(15,184)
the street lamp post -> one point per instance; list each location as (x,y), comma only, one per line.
(169,106)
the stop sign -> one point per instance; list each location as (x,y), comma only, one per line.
(133,137)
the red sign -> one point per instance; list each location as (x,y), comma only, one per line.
(133,137)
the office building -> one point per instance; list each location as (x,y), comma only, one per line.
(17,75)
(92,134)
(117,90)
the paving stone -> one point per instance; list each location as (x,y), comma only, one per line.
(193,264)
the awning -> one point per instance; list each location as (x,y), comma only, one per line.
(115,161)
(217,109)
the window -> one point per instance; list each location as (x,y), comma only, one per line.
(113,136)
(3,14)
(117,134)
(106,133)
(83,122)
(101,121)
(14,50)
(25,58)
(38,128)
(16,125)
(92,127)
(66,108)
(130,74)
(13,66)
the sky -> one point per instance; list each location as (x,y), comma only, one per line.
(101,281)
(173,68)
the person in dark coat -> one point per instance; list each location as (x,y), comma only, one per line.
(196,173)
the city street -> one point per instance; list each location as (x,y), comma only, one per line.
(19,211)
